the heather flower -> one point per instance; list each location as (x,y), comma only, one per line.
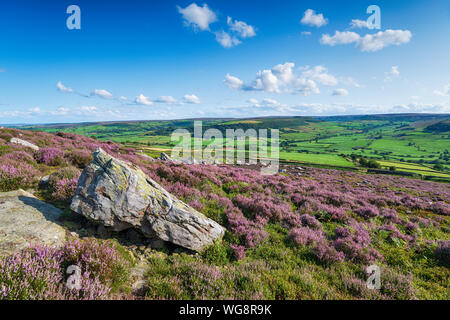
(65,189)
(239,251)
(442,252)
(305,236)
(49,156)
(310,221)
(367,211)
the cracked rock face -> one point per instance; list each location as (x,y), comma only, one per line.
(121,196)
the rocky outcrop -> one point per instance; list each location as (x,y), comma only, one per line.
(121,196)
(165,157)
(24,219)
(24,143)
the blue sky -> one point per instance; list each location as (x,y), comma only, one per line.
(137,60)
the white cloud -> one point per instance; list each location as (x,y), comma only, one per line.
(240,27)
(345,37)
(226,40)
(394,72)
(306,33)
(166,99)
(282,79)
(233,82)
(306,86)
(320,74)
(340,92)
(198,17)
(349,81)
(310,18)
(356,23)
(63,88)
(123,98)
(61,111)
(143,100)
(191,98)
(444,92)
(102,94)
(382,39)
(370,42)
(88,109)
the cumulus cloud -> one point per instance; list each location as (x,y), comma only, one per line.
(266,102)
(320,74)
(61,111)
(102,94)
(226,40)
(394,72)
(166,99)
(63,88)
(340,92)
(143,100)
(382,39)
(306,87)
(369,42)
(233,82)
(241,28)
(310,18)
(349,81)
(89,109)
(339,37)
(191,98)
(356,23)
(444,92)
(198,17)
(282,79)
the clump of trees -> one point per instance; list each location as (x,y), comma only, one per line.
(369,163)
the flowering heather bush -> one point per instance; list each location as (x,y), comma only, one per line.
(39,272)
(15,175)
(80,158)
(442,252)
(50,156)
(305,236)
(99,258)
(65,189)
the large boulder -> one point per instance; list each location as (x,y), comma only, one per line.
(121,196)
(24,219)
(24,143)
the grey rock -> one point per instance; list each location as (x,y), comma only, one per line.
(24,219)
(24,143)
(43,182)
(165,157)
(121,196)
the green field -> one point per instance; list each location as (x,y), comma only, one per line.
(417,143)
